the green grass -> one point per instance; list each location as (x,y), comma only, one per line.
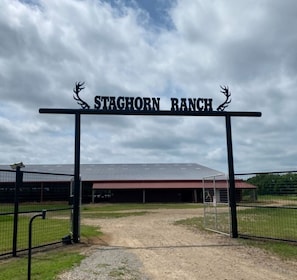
(284,250)
(120,272)
(34,206)
(269,199)
(88,232)
(196,222)
(47,265)
(44,266)
(108,211)
(44,231)
(137,206)
(111,215)
(269,222)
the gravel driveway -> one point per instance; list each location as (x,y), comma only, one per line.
(151,247)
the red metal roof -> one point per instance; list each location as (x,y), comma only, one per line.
(167,185)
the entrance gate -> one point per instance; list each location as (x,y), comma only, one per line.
(138,106)
(216,204)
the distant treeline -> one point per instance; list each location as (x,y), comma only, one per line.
(278,184)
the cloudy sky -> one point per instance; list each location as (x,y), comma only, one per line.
(149,48)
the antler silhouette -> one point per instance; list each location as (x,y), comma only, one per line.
(227,93)
(78,88)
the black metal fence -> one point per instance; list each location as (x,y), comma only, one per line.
(270,211)
(24,194)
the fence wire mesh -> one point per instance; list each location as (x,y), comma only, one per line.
(270,211)
(6,212)
(38,191)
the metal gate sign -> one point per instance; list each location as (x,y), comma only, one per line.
(150,104)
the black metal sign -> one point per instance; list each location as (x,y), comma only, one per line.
(150,104)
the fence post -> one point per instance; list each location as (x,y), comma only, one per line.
(232,190)
(18,184)
(76,191)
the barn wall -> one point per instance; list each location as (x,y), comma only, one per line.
(151,195)
(167,195)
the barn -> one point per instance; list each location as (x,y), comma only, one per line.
(147,182)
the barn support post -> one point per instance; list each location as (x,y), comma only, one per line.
(195,195)
(143,195)
(232,191)
(76,192)
(93,195)
(41,191)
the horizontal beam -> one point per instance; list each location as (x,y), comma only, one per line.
(148,113)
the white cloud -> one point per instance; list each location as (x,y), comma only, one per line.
(48,46)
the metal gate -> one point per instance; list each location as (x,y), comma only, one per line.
(24,194)
(216,204)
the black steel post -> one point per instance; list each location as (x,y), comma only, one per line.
(76,192)
(18,184)
(232,190)
(30,240)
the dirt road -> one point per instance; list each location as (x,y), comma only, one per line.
(168,251)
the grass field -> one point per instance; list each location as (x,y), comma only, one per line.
(44,265)
(136,206)
(292,197)
(45,231)
(23,207)
(278,223)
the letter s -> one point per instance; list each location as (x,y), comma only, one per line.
(97,104)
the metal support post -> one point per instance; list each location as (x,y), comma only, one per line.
(232,190)
(76,192)
(18,184)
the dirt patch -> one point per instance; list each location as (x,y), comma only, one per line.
(168,251)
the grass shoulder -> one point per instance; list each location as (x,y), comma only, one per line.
(283,250)
(47,264)
(119,210)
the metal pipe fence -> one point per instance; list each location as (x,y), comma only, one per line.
(19,201)
(216,204)
(270,211)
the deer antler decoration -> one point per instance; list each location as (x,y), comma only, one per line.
(227,93)
(78,88)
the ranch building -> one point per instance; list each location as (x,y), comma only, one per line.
(161,182)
